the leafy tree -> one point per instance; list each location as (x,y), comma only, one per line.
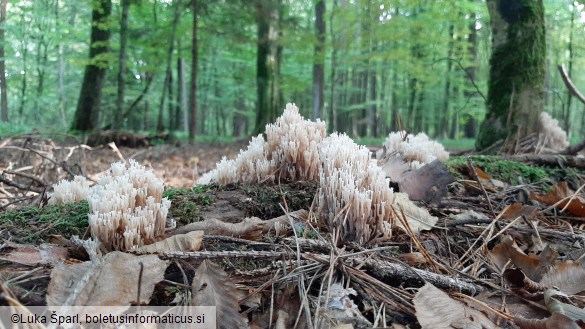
(88,106)
(194,65)
(319,64)
(3,93)
(517,72)
(267,62)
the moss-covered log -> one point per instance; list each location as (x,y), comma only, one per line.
(517,72)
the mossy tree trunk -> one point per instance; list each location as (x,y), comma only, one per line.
(267,62)
(88,105)
(517,71)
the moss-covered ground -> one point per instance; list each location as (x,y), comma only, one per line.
(36,225)
(513,172)
(188,203)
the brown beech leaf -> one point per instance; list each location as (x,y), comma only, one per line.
(212,287)
(428,183)
(250,228)
(568,277)
(108,281)
(181,242)
(418,218)
(516,210)
(436,310)
(559,192)
(533,266)
(482,174)
(517,279)
(33,255)
(555,321)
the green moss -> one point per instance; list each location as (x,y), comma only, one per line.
(34,225)
(187,204)
(511,172)
(265,200)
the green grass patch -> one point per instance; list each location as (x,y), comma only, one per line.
(34,225)
(187,204)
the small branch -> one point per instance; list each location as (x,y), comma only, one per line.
(7,181)
(572,89)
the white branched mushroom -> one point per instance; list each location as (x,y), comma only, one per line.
(289,153)
(354,196)
(127,208)
(126,205)
(70,191)
(551,134)
(417,149)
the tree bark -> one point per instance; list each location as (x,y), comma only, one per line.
(267,63)
(193,86)
(88,105)
(517,72)
(567,107)
(3,93)
(319,60)
(181,113)
(332,117)
(119,115)
(167,87)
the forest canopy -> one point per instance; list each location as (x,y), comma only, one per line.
(366,67)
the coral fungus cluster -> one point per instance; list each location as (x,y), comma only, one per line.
(354,193)
(417,149)
(354,196)
(289,153)
(126,205)
(551,134)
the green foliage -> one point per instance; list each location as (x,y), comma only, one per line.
(34,225)
(417,51)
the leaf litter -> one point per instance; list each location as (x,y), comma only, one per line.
(514,264)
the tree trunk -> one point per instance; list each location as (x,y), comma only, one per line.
(567,107)
(332,117)
(193,86)
(42,58)
(517,71)
(60,73)
(88,105)
(167,87)
(395,125)
(119,114)
(319,60)
(470,71)
(267,63)
(24,52)
(3,93)
(443,120)
(181,113)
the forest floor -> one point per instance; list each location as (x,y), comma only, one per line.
(502,245)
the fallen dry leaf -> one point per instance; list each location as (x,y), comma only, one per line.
(181,242)
(568,277)
(33,255)
(559,192)
(555,321)
(428,183)
(533,266)
(212,287)
(436,310)
(108,281)
(250,228)
(418,218)
(516,210)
